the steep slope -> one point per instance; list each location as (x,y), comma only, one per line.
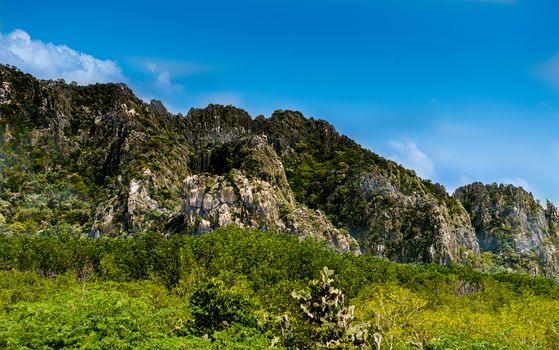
(393,212)
(96,160)
(514,227)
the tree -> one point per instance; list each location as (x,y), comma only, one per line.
(215,307)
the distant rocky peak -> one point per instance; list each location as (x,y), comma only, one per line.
(551,210)
(552,215)
(512,224)
(216,116)
(287,129)
(216,124)
(158,108)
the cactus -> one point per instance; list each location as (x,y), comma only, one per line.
(323,307)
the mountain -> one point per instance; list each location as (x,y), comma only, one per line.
(96,160)
(511,224)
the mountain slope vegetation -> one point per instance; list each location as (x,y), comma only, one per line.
(97,161)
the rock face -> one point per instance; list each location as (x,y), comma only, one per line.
(95,160)
(391,211)
(402,225)
(513,226)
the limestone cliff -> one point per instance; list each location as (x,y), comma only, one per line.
(513,226)
(95,160)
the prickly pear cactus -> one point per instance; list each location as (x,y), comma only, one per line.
(323,306)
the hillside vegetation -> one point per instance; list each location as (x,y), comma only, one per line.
(232,288)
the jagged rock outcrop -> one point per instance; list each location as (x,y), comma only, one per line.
(96,160)
(211,201)
(135,167)
(403,225)
(393,213)
(552,217)
(513,226)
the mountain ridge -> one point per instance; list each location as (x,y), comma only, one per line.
(96,160)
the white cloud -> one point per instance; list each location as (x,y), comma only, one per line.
(163,78)
(177,68)
(50,61)
(409,155)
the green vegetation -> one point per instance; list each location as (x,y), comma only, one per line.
(235,288)
(96,161)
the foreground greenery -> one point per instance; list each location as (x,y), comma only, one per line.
(236,288)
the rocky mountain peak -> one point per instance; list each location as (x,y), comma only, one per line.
(158,108)
(96,160)
(289,129)
(510,223)
(217,123)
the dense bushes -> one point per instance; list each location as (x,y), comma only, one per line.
(215,307)
(235,285)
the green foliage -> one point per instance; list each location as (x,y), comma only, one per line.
(97,319)
(60,312)
(215,308)
(393,310)
(323,173)
(235,285)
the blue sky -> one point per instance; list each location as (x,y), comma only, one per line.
(459,90)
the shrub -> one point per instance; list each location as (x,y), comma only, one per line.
(215,308)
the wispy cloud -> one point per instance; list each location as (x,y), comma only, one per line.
(409,155)
(51,61)
(177,68)
(163,78)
